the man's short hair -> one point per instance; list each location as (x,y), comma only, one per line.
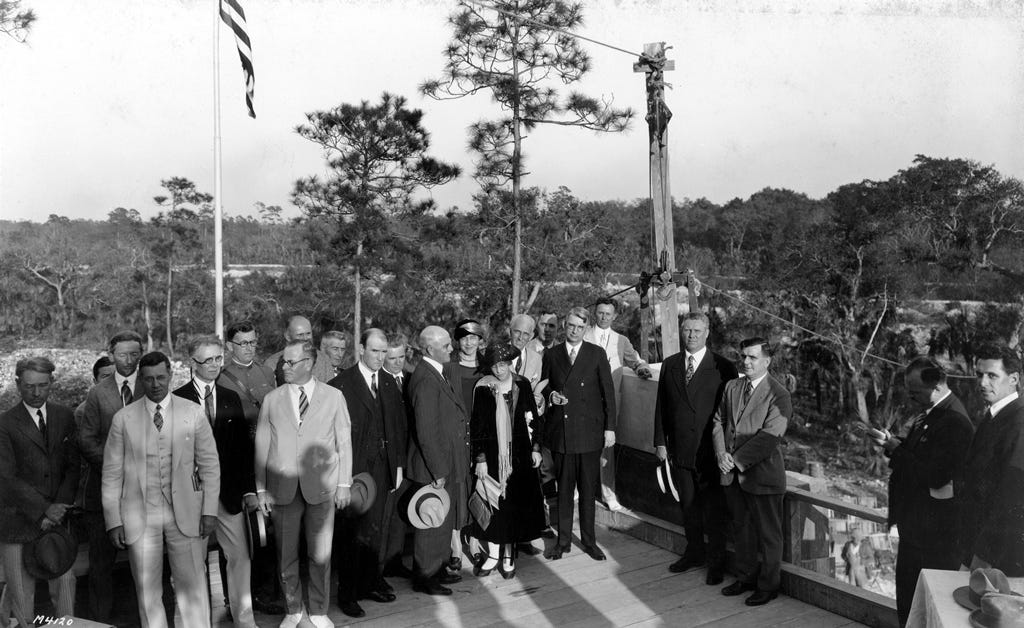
(397,340)
(757,341)
(372,331)
(203,340)
(546,315)
(153,358)
(930,371)
(36,364)
(101,363)
(238,327)
(334,334)
(1010,358)
(308,350)
(696,316)
(579,312)
(607,301)
(124,336)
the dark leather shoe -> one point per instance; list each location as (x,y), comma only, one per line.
(443,577)
(760,598)
(454,563)
(549,533)
(685,563)
(556,552)
(594,552)
(352,609)
(714,577)
(267,608)
(430,587)
(384,587)
(737,588)
(383,597)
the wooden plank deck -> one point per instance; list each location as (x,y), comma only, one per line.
(632,588)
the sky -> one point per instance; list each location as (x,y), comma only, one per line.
(110,97)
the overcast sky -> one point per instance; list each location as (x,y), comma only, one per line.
(109,97)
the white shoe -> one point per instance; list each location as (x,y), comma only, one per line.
(291,620)
(612,504)
(321,621)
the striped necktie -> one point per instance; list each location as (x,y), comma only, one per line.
(373,384)
(303,403)
(42,424)
(126,393)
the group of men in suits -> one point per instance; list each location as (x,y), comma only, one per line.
(721,436)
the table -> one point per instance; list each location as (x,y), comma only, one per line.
(934,606)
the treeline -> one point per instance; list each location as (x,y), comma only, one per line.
(854,267)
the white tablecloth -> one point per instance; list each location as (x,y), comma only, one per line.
(934,606)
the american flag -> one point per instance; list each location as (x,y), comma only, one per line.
(234,16)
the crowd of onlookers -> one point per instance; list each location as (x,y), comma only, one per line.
(367,459)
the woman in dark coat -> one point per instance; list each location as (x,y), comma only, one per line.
(506,460)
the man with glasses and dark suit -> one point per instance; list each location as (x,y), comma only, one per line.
(223,410)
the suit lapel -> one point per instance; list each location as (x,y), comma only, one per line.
(27,425)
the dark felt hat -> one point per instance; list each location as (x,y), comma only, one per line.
(364,493)
(51,554)
(468,327)
(499,353)
(982,581)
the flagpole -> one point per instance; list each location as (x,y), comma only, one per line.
(218,212)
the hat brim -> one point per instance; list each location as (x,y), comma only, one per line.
(980,620)
(362,506)
(426,492)
(962,596)
(257,530)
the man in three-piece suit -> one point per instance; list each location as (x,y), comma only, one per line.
(364,543)
(223,409)
(39,469)
(924,463)
(161,482)
(106,398)
(748,428)
(992,528)
(689,390)
(579,423)
(303,473)
(438,455)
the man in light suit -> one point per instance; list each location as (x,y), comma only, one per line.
(161,482)
(621,354)
(689,391)
(992,528)
(105,399)
(39,469)
(223,409)
(364,543)
(438,455)
(748,428)
(579,423)
(303,473)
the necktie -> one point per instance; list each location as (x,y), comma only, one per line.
(690,368)
(572,356)
(208,402)
(748,390)
(398,378)
(373,384)
(303,403)
(158,419)
(518,365)
(126,393)
(42,423)
(918,420)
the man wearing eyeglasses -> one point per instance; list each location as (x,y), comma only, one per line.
(252,380)
(223,410)
(105,399)
(299,329)
(303,473)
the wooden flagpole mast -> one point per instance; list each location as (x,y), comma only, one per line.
(218,212)
(654,64)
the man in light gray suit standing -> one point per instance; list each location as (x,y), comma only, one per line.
(303,473)
(161,483)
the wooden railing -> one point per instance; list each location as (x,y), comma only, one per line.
(807,571)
